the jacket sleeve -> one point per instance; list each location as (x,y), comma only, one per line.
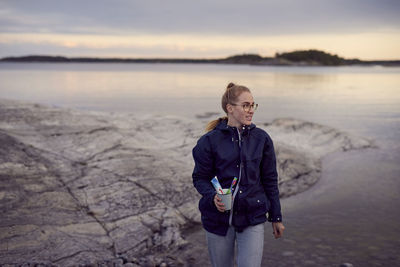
(269,179)
(204,171)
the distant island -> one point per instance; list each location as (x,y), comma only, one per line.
(296,58)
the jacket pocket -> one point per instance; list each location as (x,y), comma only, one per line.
(257,208)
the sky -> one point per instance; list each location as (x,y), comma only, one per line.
(364,29)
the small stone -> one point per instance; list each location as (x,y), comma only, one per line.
(321,246)
(289,241)
(123,257)
(309,262)
(118,262)
(288,253)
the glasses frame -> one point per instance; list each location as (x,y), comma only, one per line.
(253,106)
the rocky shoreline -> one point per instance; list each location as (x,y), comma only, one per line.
(106,189)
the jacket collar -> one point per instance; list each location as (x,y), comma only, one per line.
(223,126)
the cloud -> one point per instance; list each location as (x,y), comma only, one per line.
(204,17)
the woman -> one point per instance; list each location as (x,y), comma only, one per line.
(235,147)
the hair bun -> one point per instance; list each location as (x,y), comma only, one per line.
(230,85)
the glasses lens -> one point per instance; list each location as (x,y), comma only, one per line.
(247,107)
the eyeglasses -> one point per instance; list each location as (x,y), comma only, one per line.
(247,107)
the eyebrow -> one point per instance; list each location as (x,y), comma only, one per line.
(248,102)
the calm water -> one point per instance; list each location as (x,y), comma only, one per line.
(364,100)
(351,215)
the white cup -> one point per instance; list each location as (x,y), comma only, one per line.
(226,199)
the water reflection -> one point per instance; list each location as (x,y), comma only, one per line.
(117,83)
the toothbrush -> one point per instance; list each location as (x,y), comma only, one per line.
(232,185)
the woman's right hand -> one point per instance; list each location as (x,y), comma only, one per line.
(218,203)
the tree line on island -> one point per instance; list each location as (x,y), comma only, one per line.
(310,57)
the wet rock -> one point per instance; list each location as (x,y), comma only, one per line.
(314,139)
(79,188)
(300,145)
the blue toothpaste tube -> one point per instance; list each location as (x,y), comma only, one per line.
(217,185)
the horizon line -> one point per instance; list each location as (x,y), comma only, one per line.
(186,58)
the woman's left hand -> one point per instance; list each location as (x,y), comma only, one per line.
(278,229)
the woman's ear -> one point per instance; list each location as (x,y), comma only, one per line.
(229,108)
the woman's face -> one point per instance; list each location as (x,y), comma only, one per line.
(237,116)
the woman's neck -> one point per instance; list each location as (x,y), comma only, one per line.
(234,124)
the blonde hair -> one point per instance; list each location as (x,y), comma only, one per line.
(230,96)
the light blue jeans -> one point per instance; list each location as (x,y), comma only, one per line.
(249,244)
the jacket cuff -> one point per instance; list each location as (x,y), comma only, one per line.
(275,219)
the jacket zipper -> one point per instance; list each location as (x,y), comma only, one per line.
(240,175)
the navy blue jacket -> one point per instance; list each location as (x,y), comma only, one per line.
(218,153)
